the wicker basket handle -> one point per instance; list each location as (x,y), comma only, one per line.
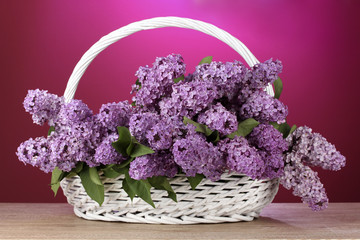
(153,23)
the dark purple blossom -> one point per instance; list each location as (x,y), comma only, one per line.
(141,123)
(227,77)
(267,138)
(194,155)
(156,164)
(160,136)
(188,99)
(105,153)
(264,108)
(43,106)
(274,164)
(218,118)
(241,157)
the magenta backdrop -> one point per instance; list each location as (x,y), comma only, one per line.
(318,42)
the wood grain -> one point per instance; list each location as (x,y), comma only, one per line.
(279,220)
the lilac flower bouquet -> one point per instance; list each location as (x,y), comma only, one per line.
(217,119)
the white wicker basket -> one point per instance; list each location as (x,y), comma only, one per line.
(234,198)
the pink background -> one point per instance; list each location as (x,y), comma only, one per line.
(318,42)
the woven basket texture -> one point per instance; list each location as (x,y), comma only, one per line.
(234,198)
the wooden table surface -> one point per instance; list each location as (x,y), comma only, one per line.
(278,220)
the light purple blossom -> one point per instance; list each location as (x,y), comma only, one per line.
(156,164)
(218,118)
(315,150)
(43,106)
(141,123)
(74,112)
(241,157)
(113,115)
(160,136)
(304,182)
(156,82)
(194,155)
(264,108)
(36,152)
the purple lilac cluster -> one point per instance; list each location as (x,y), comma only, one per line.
(158,164)
(79,136)
(217,117)
(43,106)
(155,82)
(264,108)
(270,144)
(218,95)
(195,155)
(241,157)
(308,148)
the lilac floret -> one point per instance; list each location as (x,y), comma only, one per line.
(105,153)
(156,82)
(194,155)
(227,77)
(160,136)
(43,106)
(156,164)
(241,157)
(315,149)
(264,108)
(74,112)
(304,182)
(189,98)
(36,152)
(141,123)
(274,164)
(113,115)
(267,138)
(218,118)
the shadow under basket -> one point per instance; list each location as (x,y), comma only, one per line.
(232,199)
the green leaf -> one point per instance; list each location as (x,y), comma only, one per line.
(51,129)
(199,127)
(119,167)
(123,141)
(206,60)
(278,86)
(293,128)
(127,189)
(78,168)
(131,146)
(214,137)
(94,176)
(244,128)
(56,177)
(194,181)
(111,173)
(176,80)
(141,188)
(141,150)
(95,191)
(162,183)
(284,128)
(133,103)
(71,174)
